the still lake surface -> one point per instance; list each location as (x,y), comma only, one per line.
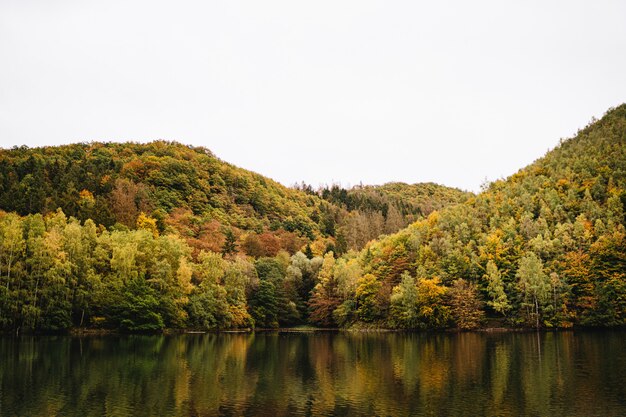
(572,373)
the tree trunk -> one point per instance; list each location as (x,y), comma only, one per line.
(537,312)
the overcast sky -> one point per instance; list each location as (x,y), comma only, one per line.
(320,91)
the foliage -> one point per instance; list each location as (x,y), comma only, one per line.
(136,309)
(264,305)
(325,299)
(404,306)
(366,293)
(140,237)
(495,287)
(466,307)
(151,186)
(543,247)
(534,284)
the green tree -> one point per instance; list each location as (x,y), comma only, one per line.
(12,246)
(136,309)
(208,308)
(608,268)
(533,283)
(308,252)
(236,280)
(230,243)
(55,293)
(404,306)
(495,288)
(264,305)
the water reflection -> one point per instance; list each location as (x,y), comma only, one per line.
(271,374)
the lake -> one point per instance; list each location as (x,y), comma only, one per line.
(571,373)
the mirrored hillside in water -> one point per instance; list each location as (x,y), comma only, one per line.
(283,374)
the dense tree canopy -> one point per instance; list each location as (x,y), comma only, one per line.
(545,247)
(144,237)
(213,205)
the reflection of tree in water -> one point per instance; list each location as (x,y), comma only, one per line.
(316,374)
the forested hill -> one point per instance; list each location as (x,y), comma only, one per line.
(417,199)
(364,212)
(113,182)
(212,204)
(183,240)
(409,199)
(545,247)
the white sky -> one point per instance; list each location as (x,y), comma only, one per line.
(320,91)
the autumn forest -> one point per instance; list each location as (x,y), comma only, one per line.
(144,237)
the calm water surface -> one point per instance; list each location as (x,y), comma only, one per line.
(311,374)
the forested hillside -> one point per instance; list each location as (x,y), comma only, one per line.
(545,247)
(213,205)
(362,213)
(79,212)
(186,188)
(143,237)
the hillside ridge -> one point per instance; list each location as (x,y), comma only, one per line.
(544,248)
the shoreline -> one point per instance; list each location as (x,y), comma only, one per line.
(354,330)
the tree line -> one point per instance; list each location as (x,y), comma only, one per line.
(543,248)
(189,191)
